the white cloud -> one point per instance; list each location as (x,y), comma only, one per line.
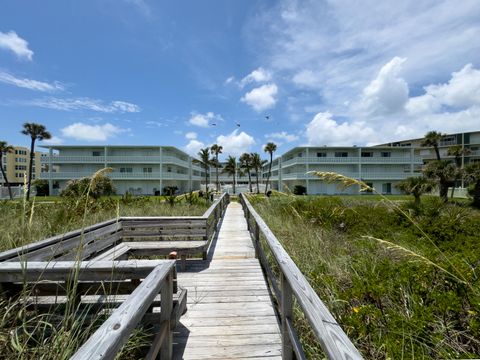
(229,80)
(261,98)
(11,41)
(191,135)
(29,83)
(461,91)
(284,136)
(388,92)
(259,75)
(236,143)
(141,6)
(81,131)
(307,78)
(54,140)
(203,120)
(193,147)
(324,130)
(155,124)
(83,104)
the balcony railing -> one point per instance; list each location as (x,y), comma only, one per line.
(355,175)
(119,175)
(146,159)
(350,160)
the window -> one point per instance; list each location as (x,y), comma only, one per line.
(300,154)
(169,169)
(341,154)
(126,170)
(147,170)
(321,154)
(385,154)
(96,153)
(367,154)
(387,188)
(20,167)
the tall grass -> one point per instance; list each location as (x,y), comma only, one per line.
(398,298)
(28,333)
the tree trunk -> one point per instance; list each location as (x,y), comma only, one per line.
(30,167)
(206,181)
(476,194)
(5,178)
(216,166)
(437,152)
(234,176)
(269,173)
(417,200)
(444,190)
(249,180)
(258,189)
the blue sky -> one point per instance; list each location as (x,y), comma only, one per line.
(293,72)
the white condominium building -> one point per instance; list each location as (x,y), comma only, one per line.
(380,167)
(139,170)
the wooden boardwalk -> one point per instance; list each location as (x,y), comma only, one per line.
(230,313)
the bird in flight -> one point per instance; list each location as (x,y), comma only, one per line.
(238,125)
(213,124)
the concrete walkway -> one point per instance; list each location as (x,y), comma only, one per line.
(230,314)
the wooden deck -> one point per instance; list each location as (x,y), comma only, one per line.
(230,313)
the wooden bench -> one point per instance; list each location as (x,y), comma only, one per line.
(127,290)
(125,250)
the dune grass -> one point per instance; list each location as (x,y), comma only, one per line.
(26,333)
(400,290)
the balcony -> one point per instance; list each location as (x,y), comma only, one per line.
(148,159)
(351,160)
(355,175)
(117,175)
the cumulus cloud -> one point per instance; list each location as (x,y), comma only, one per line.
(388,92)
(259,75)
(83,104)
(307,78)
(203,120)
(12,42)
(191,135)
(86,132)
(261,98)
(193,147)
(324,130)
(236,143)
(282,136)
(29,83)
(462,91)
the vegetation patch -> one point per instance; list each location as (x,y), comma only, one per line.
(401,278)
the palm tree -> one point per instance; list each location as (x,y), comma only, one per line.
(269,148)
(416,186)
(246,163)
(216,149)
(231,169)
(443,172)
(257,164)
(4,149)
(457,151)
(204,162)
(472,175)
(432,139)
(36,132)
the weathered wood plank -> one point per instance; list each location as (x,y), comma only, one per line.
(115,331)
(334,341)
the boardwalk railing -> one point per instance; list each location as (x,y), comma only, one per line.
(98,285)
(292,284)
(144,235)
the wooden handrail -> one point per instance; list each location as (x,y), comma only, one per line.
(116,330)
(52,247)
(333,340)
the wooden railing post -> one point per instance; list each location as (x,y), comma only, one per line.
(256,238)
(286,312)
(166,298)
